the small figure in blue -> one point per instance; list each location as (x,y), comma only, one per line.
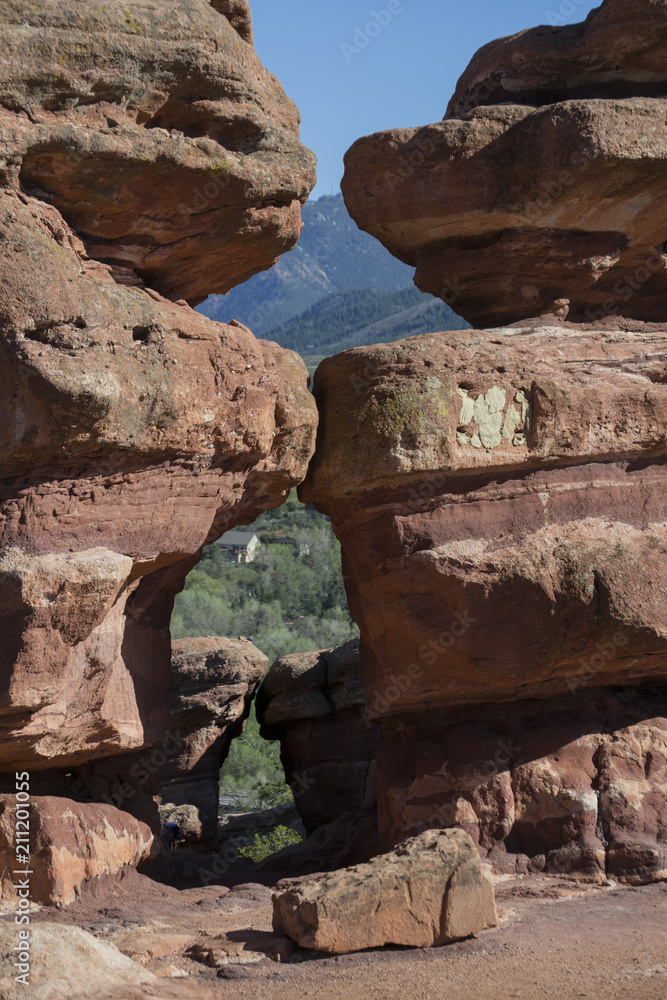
(171,834)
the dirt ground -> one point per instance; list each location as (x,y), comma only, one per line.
(555,939)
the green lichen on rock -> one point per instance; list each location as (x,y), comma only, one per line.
(404,414)
(393,415)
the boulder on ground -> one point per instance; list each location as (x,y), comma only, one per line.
(68,962)
(71,843)
(428,891)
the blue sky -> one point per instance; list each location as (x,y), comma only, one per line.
(403,76)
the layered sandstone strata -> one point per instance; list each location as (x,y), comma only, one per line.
(544,188)
(573,785)
(148,159)
(499,497)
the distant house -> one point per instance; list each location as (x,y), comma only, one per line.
(300,548)
(239,546)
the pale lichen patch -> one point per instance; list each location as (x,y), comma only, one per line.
(467,407)
(525,407)
(486,420)
(512,422)
(496,399)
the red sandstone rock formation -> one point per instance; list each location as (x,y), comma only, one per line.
(618,51)
(500,502)
(568,785)
(238,14)
(499,496)
(544,188)
(212,683)
(70,843)
(71,962)
(157,135)
(148,158)
(314,704)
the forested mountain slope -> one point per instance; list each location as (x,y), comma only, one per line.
(328,290)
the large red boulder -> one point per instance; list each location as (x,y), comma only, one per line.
(70,843)
(429,891)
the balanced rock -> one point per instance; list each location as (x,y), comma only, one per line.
(543,191)
(500,502)
(429,891)
(158,136)
(619,51)
(70,843)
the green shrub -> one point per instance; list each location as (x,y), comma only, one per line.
(266,844)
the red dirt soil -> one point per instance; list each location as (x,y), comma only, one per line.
(556,939)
